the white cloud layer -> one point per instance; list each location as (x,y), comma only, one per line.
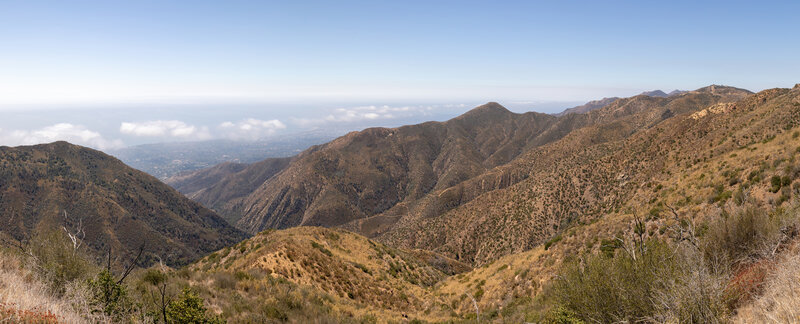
(368,113)
(75,134)
(165,128)
(250,128)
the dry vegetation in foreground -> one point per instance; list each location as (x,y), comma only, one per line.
(780,302)
(690,274)
(25,299)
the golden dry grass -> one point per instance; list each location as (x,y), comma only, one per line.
(780,301)
(25,298)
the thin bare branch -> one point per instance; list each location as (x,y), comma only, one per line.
(131,265)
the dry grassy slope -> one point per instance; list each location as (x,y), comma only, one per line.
(223,186)
(590,171)
(24,299)
(700,152)
(362,275)
(117,205)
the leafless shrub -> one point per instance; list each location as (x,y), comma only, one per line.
(695,296)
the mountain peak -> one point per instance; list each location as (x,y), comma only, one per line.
(654,93)
(722,89)
(676,92)
(487,110)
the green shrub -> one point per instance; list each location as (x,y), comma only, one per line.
(561,315)
(609,246)
(775,181)
(478,294)
(552,241)
(241,275)
(154,277)
(109,296)
(616,289)
(57,261)
(321,248)
(188,308)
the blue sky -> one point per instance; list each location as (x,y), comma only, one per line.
(180,57)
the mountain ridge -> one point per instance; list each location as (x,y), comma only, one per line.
(369,182)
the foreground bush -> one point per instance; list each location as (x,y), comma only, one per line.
(56,261)
(650,282)
(110,297)
(692,279)
(188,308)
(27,298)
(743,236)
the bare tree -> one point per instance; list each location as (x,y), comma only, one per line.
(635,247)
(77,236)
(130,266)
(684,229)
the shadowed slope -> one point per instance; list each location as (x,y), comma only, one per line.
(48,186)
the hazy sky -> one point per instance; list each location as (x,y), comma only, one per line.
(253,68)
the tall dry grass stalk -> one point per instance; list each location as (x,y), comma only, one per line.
(780,302)
(23,294)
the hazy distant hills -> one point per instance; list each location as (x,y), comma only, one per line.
(589,106)
(654,93)
(164,160)
(222,187)
(114,204)
(597,104)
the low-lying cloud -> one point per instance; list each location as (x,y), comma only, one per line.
(370,113)
(75,134)
(250,128)
(165,128)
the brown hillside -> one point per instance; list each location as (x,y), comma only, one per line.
(115,205)
(223,186)
(365,173)
(590,172)
(713,163)
(414,186)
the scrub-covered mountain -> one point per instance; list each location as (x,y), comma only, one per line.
(366,173)
(389,182)
(585,175)
(60,186)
